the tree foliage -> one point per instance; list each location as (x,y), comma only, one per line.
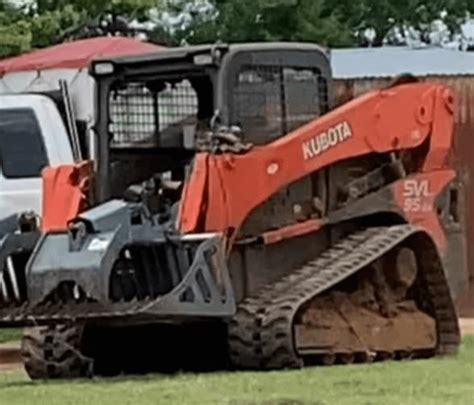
(328,22)
(261,20)
(334,23)
(40,23)
(383,16)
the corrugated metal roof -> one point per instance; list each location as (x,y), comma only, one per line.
(391,61)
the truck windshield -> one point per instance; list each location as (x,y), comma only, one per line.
(22,152)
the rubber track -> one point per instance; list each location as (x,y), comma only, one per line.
(261,333)
(54,352)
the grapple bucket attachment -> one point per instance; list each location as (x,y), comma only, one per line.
(106,268)
(18,237)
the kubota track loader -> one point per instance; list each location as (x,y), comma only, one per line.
(234,218)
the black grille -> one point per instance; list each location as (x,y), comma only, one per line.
(140,116)
(147,272)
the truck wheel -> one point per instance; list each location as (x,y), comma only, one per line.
(55,352)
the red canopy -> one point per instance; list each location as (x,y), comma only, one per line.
(76,55)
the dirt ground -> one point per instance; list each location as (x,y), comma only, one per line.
(465,304)
(10,358)
(467,326)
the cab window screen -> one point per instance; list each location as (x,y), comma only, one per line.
(143,116)
(22,152)
(271,100)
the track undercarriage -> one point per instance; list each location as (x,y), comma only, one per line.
(367,298)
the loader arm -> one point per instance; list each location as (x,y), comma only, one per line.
(224,188)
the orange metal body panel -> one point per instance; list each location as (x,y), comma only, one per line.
(416,197)
(461,150)
(227,187)
(291,231)
(64,194)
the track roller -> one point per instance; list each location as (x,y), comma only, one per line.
(346,358)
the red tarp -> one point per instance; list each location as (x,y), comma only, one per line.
(76,55)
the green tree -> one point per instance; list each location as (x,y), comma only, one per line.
(59,19)
(385,15)
(334,23)
(39,23)
(15,35)
(328,22)
(260,20)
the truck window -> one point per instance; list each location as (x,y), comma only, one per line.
(22,152)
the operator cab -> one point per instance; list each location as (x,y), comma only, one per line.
(155,109)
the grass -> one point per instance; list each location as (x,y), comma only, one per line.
(437,381)
(9,335)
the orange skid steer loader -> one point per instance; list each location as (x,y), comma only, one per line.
(233,218)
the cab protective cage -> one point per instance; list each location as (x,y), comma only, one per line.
(222,65)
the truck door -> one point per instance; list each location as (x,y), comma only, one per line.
(32,136)
(22,157)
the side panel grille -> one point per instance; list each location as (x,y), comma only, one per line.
(149,271)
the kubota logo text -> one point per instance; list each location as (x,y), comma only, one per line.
(325,140)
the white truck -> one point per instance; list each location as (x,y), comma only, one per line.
(46,112)
(46,98)
(32,136)
(37,130)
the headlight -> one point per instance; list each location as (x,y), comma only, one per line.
(104,68)
(203,59)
